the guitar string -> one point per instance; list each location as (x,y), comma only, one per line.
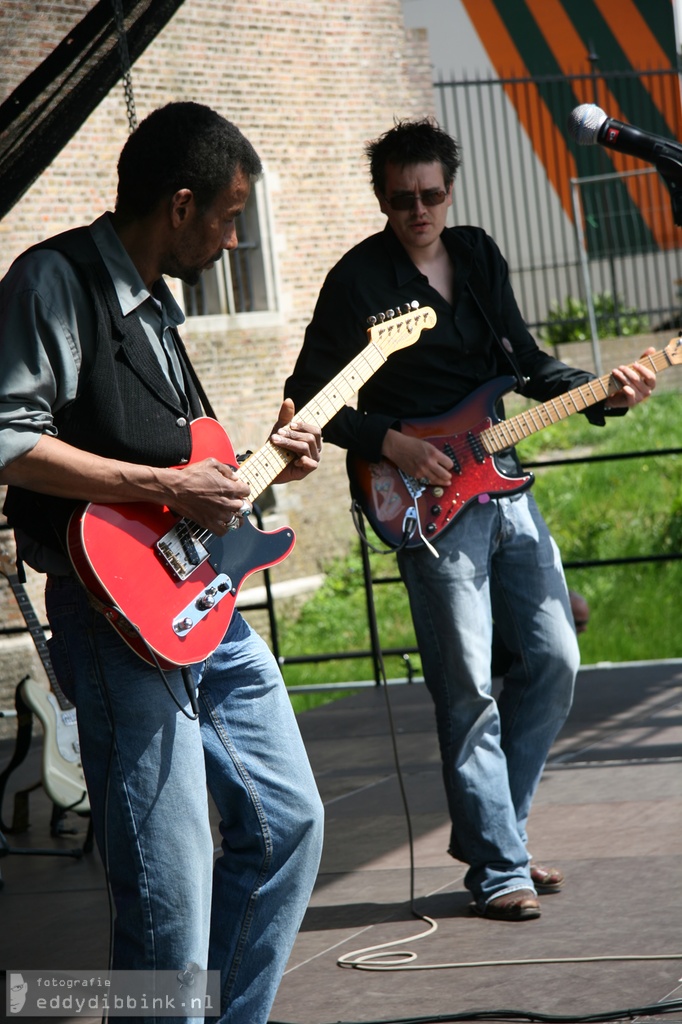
(524,424)
(330,400)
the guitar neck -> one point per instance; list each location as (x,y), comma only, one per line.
(265,465)
(38,635)
(508,432)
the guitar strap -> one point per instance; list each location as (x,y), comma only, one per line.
(187,363)
(503,342)
(480,293)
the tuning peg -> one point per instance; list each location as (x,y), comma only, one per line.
(407,307)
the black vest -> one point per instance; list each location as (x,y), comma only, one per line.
(125,407)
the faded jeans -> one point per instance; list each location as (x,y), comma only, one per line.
(150,803)
(497,562)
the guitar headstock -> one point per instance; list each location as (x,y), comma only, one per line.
(673,350)
(398,328)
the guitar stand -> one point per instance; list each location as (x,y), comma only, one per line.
(20,821)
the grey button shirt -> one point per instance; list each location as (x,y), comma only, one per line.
(47,323)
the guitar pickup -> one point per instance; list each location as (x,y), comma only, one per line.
(182,550)
(452,454)
(477,449)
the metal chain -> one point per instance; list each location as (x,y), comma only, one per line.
(125,65)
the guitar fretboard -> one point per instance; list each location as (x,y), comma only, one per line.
(508,432)
(386,336)
(265,465)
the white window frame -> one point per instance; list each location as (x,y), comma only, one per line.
(222,276)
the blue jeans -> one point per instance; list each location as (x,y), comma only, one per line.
(149,779)
(497,562)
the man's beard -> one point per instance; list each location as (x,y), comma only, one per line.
(191,275)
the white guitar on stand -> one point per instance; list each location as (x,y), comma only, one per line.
(62,774)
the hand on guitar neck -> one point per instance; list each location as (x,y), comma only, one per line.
(637,381)
(302,444)
(436,466)
(209,490)
(423,461)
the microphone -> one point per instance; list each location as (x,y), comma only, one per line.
(589,125)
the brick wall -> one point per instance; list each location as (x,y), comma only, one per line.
(309,82)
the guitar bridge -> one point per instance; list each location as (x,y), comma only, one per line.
(182,549)
(414,488)
(412,520)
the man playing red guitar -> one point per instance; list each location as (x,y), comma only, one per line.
(478,560)
(97,400)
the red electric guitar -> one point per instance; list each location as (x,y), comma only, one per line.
(402,510)
(168,585)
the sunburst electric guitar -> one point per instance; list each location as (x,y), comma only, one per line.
(168,585)
(405,512)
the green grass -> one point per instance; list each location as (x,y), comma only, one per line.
(335,620)
(627,508)
(617,509)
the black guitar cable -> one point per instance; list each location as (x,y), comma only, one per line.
(356,515)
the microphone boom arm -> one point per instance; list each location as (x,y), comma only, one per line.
(670,169)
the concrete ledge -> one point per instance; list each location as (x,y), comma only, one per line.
(257,596)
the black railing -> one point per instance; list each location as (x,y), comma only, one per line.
(375,651)
(520,168)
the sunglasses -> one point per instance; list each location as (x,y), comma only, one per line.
(405,201)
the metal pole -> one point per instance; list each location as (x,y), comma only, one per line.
(585,267)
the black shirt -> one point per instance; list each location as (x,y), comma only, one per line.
(447,363)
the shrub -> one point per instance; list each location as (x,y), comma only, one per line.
(570,321)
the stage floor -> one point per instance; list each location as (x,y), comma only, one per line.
(608,812)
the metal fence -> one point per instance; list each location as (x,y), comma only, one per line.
(523,177)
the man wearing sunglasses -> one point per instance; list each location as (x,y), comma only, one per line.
(496,561)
